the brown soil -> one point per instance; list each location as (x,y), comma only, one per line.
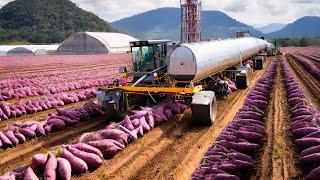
(278,158)
(22,154)
(310,85)
(172,150)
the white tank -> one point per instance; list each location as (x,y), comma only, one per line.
(197,61)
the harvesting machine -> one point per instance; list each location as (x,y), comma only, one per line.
(192,71)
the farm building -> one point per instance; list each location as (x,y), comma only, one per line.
(95,43)
(27,49)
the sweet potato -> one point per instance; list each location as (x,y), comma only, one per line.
(39,160)
(107,147)
(144,124)
(12,138)
(30,175)
(133,134)
(6,143)
(310,159)
(92,160)
(50,167)
(40,130)
(308,142)
(314,174)
(304,131)
(87,148)
(250,136)
(77,164)
(22,139)
(28,133)
(127,123)
(115,134)
(64,169)
(168,114)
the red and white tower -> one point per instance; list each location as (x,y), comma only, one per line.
(191,21)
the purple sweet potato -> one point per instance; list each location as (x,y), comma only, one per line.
(250,136)
(22,139)
(225,176)
(30,175)
(310,159)
(144,124)
(138,114)
(314,134)
(86,137)
(308,142)
(133,134)
(240,156)
(39,160)
(27,132)
(127,123)
(244,147)
(5,108)
(50,167)
(92,160)
(40,130)
(115,134)
(87,148)
(135,123)
(168,114)
(48,128)
(314,174)
(12,138)
(304,131)
(150,120)
(77,164)
(8,176)
(64,169)
(107,147)
(6,143)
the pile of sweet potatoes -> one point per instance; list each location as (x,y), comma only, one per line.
(32,89)
(305,123)
(233,153)
(15,110)
(89,150)
(19,133)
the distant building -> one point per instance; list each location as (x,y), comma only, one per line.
(95,43)
(27,49)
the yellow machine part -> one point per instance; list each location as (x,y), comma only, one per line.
(148,89)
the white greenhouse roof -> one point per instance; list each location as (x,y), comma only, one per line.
(112,40)
(32,48)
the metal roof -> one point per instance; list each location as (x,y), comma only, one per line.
(112,40)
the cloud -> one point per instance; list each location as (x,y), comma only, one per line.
(252,12)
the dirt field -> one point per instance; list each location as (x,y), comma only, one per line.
(173,150)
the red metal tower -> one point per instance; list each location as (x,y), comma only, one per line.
(191,21)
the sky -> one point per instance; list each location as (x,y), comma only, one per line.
(252,12)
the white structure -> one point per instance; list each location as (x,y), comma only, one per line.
(27,49)
(96,43)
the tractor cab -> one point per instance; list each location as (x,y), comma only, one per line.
(149,56)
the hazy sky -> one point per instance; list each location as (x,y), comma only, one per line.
(252,12)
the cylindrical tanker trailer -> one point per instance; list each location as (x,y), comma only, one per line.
(182,73)
(197,61)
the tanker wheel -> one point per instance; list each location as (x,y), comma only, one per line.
(204,108)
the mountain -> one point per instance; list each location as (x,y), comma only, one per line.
(307,26)
(272,28)
(164,23)
(46,21)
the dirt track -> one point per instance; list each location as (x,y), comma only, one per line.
(173,150)
(278,158)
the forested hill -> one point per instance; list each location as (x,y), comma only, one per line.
(46,21)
